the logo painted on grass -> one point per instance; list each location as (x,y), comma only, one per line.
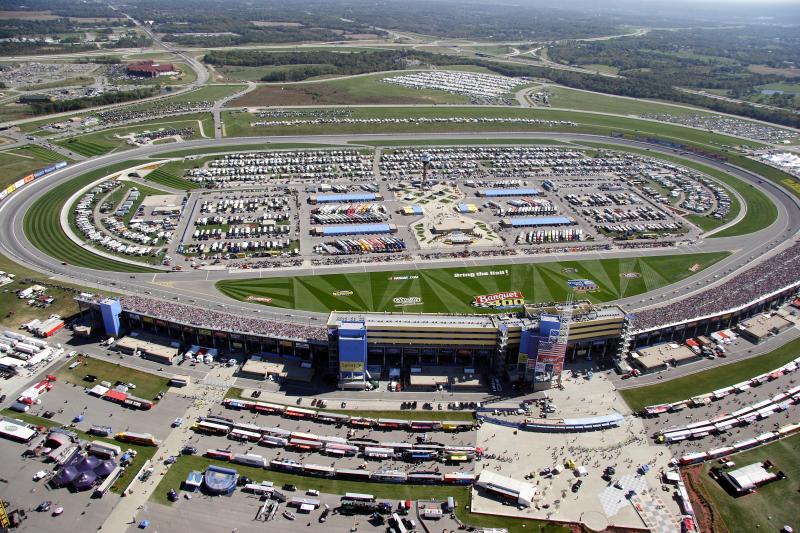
(262,299)
(403,278)
(569,270)
(695,267)
(499,300)
(630,275)
(582,285)
(342,293)
(405,301)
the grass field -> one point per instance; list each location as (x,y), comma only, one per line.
(15,311)
(563,97)
(105,141)
(771,506)
(237,124)
(709,380)
(210,93)
(383,491)
(761,212)
(43,228)
(442,292)
(165,176)
(147,385)
(366,89)
(143,453)
(254,147)
(19,162)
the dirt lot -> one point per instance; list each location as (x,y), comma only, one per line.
(763,69)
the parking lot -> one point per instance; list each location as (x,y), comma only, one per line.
(81,511)
(281,208)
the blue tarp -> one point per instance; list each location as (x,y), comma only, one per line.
(416,209)
(356,229)
(520,191)
(541,221)
(352,197)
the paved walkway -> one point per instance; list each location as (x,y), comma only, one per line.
(139,492)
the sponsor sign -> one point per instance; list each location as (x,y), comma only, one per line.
(480,274)
(405,301)
(582,285)
(630,275)
(263,299)
(499,300)
(351,366)
(342,293)
(403,278)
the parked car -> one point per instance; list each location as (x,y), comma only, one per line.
(177,422)
(288,514)
(44,506)
(189,450)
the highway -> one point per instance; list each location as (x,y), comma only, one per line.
(196,287)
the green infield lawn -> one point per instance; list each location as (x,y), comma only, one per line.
(19,162)
(178,472)
(143,453)
(104,141)
(771,506)
(147,385)
(442,292)
(43,228)
(709,380)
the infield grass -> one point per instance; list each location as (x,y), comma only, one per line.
(440,291)
(709,380)
(42,225)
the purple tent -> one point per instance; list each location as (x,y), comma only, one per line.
(105,468)
(84,481)
(65,476)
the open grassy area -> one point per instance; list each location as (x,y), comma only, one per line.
(709,380)
(563,97)
(441,291)
(771,506)
(147,385)
(237,124)
(15,311)
(206,93)
(761,212)
(165,176)
(104,141)
(383,491)
(143,453)
(366,89)
(43,228)
(19,162)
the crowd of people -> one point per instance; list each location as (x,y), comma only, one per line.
(771,275)
(215,320)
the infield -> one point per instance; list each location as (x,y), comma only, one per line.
(452,290)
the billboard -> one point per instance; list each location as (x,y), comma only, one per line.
(499,300)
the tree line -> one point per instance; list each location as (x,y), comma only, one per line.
(59,106)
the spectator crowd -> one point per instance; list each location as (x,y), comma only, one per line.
(769,276)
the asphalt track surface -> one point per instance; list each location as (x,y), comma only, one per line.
(197,287)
